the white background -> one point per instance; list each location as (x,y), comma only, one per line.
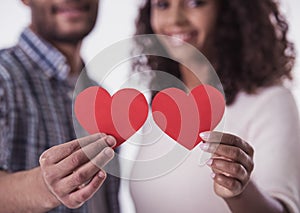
(116,21)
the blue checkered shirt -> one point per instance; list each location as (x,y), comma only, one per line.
(36,107)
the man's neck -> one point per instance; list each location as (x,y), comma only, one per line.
(71,50)
(72,54)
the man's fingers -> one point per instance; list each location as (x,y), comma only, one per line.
(93,149)
(89,139)
(59,152)
(67,167)
(78,197)
(82,156)
(103,158)
(84,173)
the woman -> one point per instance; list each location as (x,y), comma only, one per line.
(246,43)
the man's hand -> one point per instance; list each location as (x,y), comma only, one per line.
(73,171)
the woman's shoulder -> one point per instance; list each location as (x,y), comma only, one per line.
(271,111)
(266,104)
(277,95)
(276,90)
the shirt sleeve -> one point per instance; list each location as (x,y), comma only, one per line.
(5,120)
(275,134)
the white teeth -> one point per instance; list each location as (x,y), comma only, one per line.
(183,37)
(176,41)
(179,39)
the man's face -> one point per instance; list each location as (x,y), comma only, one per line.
(63,20)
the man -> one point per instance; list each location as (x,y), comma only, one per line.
(37,78)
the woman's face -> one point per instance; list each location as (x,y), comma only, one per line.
(191,21)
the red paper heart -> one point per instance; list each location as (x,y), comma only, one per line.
(120,115)
(183,116)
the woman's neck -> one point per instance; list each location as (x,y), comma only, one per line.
(199,75)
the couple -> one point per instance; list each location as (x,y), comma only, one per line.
(253,169)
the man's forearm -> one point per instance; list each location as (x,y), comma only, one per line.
(254,200)
(25,192)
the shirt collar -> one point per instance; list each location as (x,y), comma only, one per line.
(47,57)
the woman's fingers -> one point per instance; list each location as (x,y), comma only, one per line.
(225,186)
(231,162)
(227,139)
(229,169)
(229,152)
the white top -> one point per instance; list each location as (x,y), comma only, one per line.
(268,121)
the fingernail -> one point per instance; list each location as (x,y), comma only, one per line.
(204,146)
(204,135)
(110,141)
(101,175)
(108,152)
(213,175)
(209,162)
(101,134)
(42,157)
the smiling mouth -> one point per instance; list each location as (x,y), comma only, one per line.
(178,39)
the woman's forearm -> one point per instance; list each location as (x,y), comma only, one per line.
(254,200)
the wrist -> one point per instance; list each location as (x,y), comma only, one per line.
(241,195)
(48,200)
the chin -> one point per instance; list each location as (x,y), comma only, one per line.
(69,37)
(74,33)
(78,30)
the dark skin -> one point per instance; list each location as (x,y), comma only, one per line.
(232,165)
(232,160)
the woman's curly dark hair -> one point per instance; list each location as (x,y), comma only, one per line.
(252,46)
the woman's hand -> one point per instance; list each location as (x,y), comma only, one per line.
(231,162)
